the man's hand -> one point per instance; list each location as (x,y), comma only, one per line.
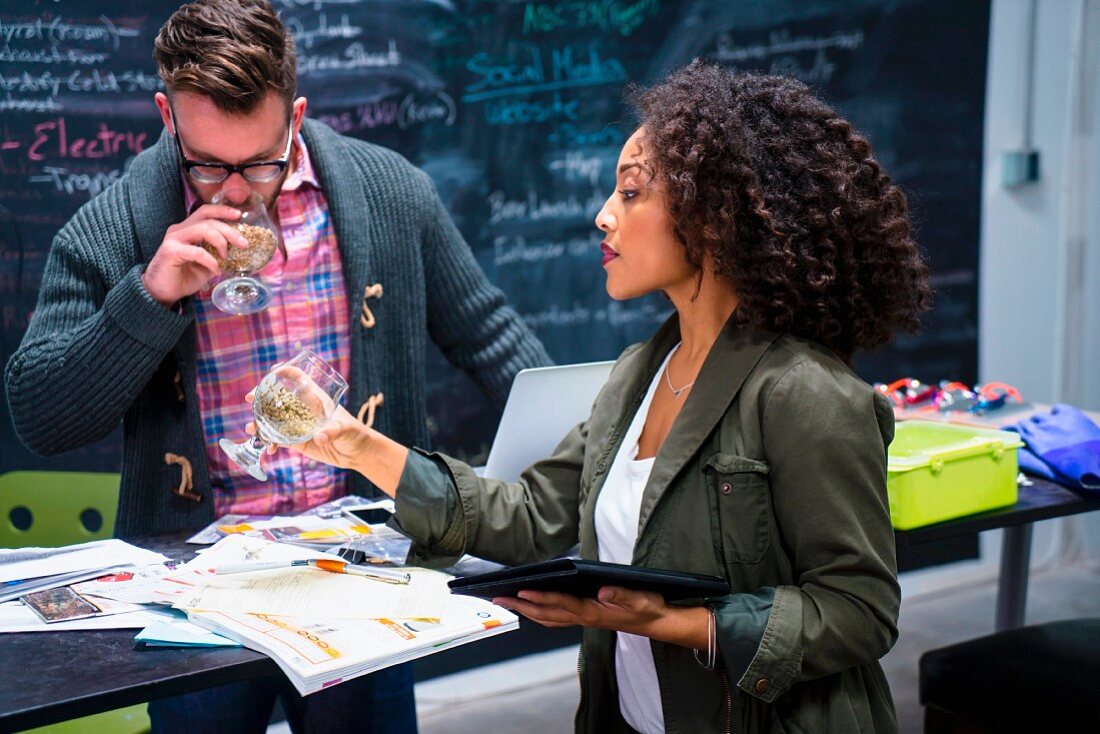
(180,267)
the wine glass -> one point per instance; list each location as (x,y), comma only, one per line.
(292,402)
(243,294)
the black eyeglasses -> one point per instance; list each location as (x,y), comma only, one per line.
(258,172)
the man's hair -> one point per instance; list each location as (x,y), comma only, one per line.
(232,51)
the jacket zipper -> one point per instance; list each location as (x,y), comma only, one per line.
(729,703)
(580,684)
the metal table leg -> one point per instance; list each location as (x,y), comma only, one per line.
(1012,588)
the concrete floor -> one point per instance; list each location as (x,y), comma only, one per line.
(537,694)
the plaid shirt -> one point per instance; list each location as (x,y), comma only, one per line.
(308,311)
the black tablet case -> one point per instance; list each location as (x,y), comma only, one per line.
(585,578)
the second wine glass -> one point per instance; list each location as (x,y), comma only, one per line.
(292,402)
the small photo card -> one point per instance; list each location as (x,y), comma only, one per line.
(59,605)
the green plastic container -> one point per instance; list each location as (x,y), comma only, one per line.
(939,471)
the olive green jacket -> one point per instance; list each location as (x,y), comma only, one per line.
(773,477)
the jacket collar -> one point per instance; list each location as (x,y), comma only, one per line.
(156,194)
(735,354)
(348,204)
(343,180)
(732,358)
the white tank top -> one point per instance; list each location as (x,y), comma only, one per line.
(617,511)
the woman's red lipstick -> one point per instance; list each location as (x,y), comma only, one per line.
(608,253)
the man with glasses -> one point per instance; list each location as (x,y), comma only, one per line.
(125,329)
(206,172)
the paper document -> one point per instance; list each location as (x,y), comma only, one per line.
(15,589)
(102,554)
(311,592)
(315,653)
(15,555)
(298,592)
(181,633)
(210,533)
(133,585)
(307,529)
(16,617)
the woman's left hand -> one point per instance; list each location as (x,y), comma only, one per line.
(614,608)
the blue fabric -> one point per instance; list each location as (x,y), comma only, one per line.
(741,619)
(1063,445)
(379,703)
(1032,464)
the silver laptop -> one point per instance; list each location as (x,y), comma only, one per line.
(545,403)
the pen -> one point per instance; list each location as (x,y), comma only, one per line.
(334,566)
(378,574)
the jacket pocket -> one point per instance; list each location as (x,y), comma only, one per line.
(739,489)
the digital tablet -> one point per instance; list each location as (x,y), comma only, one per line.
(585,578)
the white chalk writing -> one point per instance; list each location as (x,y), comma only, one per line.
(355,56)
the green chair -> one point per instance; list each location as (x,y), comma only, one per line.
(130,720)
(46,509)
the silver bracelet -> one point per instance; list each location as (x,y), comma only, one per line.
(712,643)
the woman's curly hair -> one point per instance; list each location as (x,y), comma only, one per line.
(788,202)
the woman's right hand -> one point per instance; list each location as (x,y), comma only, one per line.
(346,443)
(343,442)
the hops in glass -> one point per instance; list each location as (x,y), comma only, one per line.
(242,293)
(293,401)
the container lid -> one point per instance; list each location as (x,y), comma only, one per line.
(917,443)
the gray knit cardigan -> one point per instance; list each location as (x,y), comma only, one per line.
(100,350)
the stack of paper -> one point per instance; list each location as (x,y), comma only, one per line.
(24,570)
(315,654)
(18,617)
(319,627)
(53,591)
(331,510)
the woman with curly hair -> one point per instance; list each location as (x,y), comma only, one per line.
(736,442)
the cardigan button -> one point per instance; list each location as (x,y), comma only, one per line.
(726,487)
(601,466)
(761,685)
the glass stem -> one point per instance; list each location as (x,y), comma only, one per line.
(253,449)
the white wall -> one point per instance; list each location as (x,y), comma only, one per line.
(1040,242)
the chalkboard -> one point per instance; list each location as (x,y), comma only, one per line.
(514,109)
